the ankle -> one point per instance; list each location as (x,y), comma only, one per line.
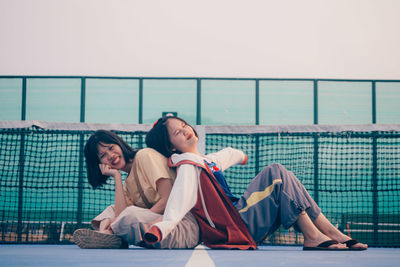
(310,232)
(312,235)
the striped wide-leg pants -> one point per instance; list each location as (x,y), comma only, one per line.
(274,197)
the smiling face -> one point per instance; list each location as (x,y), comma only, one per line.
(182,136)
(111,155)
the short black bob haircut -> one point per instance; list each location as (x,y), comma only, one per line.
(101,137)
(158,137)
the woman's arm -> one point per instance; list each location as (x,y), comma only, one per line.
(120,202)
(164,187)
(228,157)
(153,173)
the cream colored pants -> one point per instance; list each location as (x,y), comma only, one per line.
(133,222)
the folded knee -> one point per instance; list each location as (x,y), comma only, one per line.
(275,167)
(135,214)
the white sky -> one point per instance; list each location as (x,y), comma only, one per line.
(208,38)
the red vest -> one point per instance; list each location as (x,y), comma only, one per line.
(230,232)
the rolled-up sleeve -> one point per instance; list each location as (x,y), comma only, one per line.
(228,157)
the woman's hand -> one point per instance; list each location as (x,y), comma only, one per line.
(108,171)
(105,225)
(120,202)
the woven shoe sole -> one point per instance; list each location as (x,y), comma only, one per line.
(86,238)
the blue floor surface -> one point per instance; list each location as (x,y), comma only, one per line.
(71,255)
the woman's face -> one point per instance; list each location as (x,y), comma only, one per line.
(111,155)
(181,135)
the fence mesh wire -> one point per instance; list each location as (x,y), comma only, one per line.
(354,176)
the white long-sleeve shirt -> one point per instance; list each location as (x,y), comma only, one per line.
(183,196)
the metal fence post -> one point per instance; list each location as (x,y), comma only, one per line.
(81,164)
(198,100)
(375,213)
(373,102)
(21,186)
(316,170)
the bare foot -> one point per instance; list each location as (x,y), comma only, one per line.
(312,236)
(339,236)
(322,223)
(315,241)
(355,246)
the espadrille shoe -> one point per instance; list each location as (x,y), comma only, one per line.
(86,238)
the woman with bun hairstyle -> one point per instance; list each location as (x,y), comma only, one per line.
(274,197)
